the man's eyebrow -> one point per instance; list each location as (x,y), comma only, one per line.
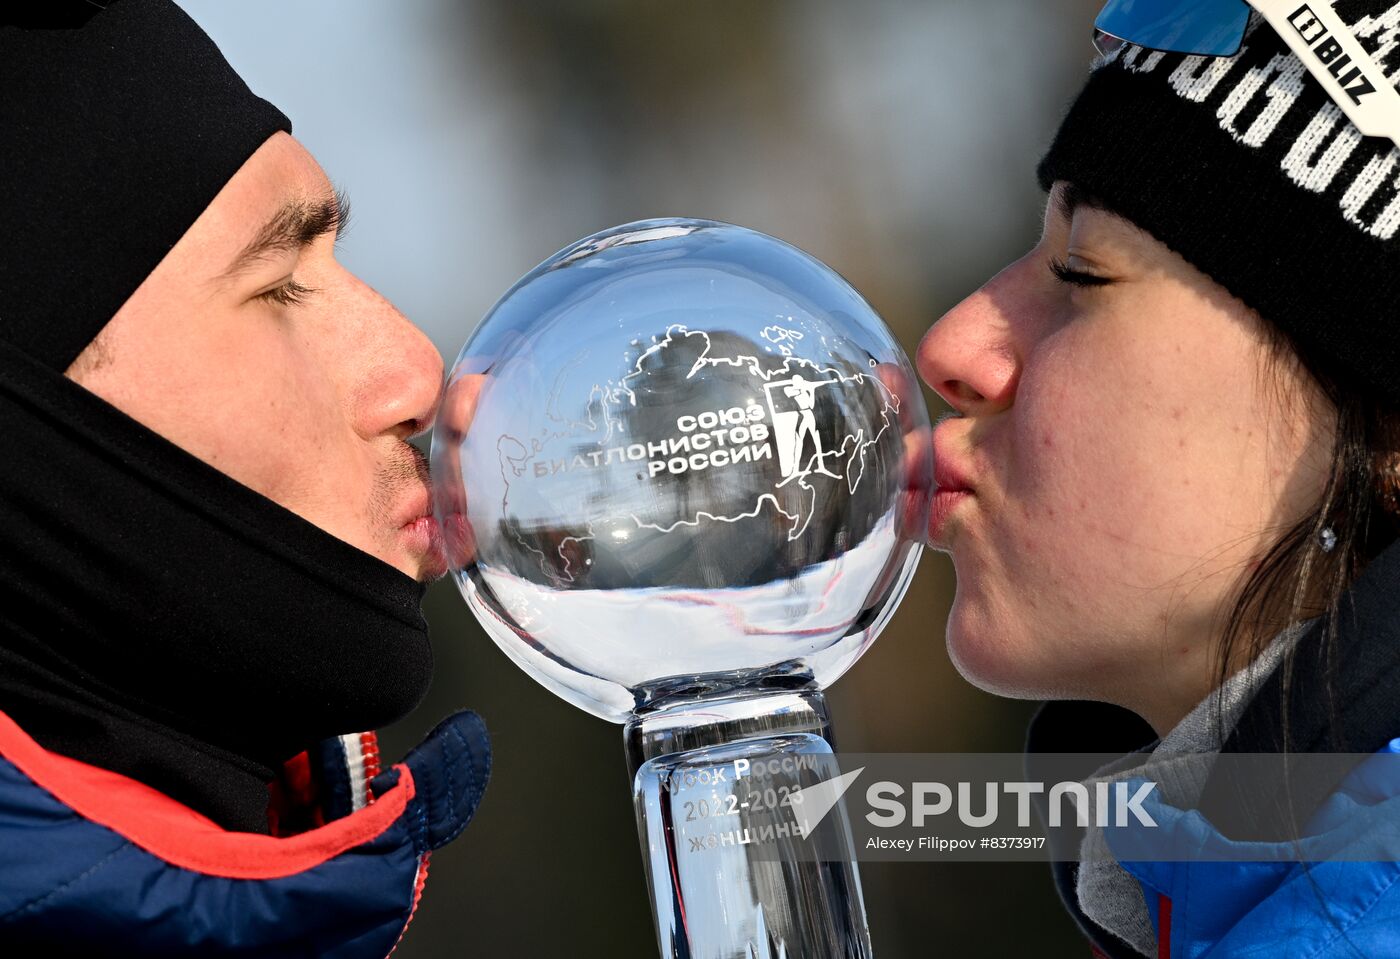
(295,225)
(1072,196)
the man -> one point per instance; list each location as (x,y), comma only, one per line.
(215,534)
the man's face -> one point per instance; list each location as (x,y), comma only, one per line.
(253,349)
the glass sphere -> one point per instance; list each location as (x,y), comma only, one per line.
(681,459)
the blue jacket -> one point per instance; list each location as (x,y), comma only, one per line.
(95,864)
(1223,898)
(1345,702)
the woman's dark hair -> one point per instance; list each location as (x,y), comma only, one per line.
(1298,578)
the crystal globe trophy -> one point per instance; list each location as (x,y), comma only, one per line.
(682,470)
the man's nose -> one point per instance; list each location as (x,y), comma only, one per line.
(402,392)
(968,357)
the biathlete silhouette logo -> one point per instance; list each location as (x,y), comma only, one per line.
(792,427)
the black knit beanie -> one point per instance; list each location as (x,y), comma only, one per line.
(1246,168)
(118,131)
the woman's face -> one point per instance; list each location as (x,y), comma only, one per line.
(1130,456)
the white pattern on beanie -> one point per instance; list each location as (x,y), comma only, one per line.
(1196,77)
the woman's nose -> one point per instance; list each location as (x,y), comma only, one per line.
(967,357)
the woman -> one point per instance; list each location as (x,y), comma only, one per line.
(1171,480)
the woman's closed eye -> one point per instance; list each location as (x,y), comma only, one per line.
(1063,272)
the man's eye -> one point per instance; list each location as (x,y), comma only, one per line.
(290,293)
(1065,274)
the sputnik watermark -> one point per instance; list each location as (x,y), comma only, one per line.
(929,800)
(804,802)
(766,796)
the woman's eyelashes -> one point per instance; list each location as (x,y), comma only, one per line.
(1063,272)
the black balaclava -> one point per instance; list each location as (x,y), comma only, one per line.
(157,618)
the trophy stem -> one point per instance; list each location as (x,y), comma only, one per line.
(739,865)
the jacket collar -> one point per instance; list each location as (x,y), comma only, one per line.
(347,887)
(1359,713)
(1349,703)
(1346,700)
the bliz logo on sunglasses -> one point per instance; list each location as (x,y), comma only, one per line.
(1329,52)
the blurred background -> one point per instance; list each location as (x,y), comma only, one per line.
(893,139)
